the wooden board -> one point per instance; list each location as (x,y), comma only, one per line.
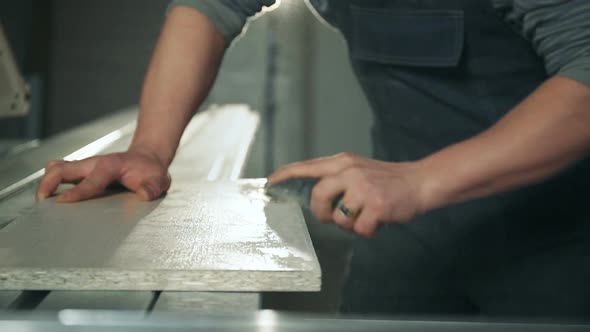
(207,302)
(203,236)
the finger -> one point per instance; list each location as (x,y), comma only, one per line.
(353,205)
(154,188)
(366,224)
(58,172)
(52,163)
(323,195)
(315,168)
(93,185)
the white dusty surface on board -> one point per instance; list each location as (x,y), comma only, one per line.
(206,152)
(225,236)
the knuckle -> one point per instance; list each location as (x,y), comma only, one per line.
(51,174)
(48,172)
(53,164)
(347,157)
(318,192)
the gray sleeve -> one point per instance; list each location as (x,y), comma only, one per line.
(560,33)
(229,16)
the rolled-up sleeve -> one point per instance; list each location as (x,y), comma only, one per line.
(560,33)
(228,16)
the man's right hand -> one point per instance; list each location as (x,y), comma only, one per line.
(138,170)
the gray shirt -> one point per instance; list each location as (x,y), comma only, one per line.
(559,30)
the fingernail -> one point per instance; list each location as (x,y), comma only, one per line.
(151,192)
(41,197)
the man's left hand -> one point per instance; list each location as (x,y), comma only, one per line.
(373,191)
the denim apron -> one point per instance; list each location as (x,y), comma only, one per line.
(437,72)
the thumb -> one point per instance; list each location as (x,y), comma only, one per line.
(151,190)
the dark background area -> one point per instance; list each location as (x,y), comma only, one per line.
(72,53)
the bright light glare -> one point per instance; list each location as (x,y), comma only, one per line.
(266,321)
(271,8)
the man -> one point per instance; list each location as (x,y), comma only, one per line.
(477,199)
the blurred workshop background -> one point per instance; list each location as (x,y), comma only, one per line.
(84,60)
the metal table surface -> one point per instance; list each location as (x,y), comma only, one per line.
(264,321)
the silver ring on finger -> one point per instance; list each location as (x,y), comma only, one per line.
(348,212)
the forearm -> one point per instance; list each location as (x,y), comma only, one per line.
(543,135)
(181,72)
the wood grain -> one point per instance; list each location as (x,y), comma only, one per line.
(207,302)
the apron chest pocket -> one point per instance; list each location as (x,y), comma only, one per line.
(427,38)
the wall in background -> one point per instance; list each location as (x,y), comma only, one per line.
(341,114)
(321,109)
(100,50)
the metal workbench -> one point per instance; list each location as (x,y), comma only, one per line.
(260,321)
